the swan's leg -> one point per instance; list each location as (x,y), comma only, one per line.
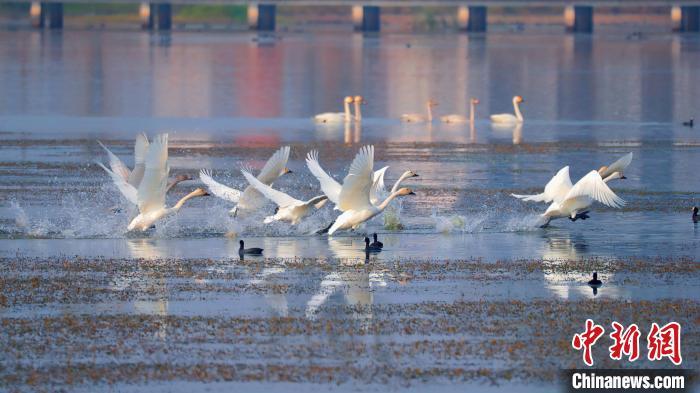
(233,212)
(546,223)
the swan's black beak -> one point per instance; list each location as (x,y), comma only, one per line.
(415,175)
(623,177)
(287,170)
(411,193)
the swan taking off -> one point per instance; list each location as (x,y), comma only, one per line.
(507,118)
(459,119)
(332,188)
(250,199)
(120,173)
(150,196)
(122,177)
(288,209)
(420,118)
(354,194)
(617,168)
(561,182)
(336,117)
(571,200)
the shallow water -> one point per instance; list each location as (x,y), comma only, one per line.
(227,101)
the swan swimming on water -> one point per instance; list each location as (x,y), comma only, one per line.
(336,117)
(418,117)
(508,118)
(460,119)
(288,209)
(354,196)
(250,199)
(150,195)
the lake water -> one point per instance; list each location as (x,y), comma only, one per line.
(231,99)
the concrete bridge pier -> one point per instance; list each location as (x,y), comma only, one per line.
(164,16)
(371,19)
(36,14)
(262,17)
(472,18)
(686,18)
(579,19)
(54,11)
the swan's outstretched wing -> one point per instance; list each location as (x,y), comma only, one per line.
(354,194)
(118,167)
(278,197)
(593,186)
(618,166)
(329,186)
(151,191)
(218,189)
(555,190)
(124,187)
(274,166)
(378,188)
(140,151)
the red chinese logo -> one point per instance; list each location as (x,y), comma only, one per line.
(662,342)
(587,339)
(626,341)
(665,342)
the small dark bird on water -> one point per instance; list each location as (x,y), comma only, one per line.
(249,251)
(696,218)
(595,282)
(376,242)
(371,248)
(689,123)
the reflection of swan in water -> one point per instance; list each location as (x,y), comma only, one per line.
(572,285)
(266,279)
(518,134)
(149,283)
(355,285)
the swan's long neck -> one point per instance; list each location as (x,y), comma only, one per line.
(403,177)
(348,115)
(614,176)
(184,199)
(516,107)
(388,200)
(471,112)
(358,111)
(430,113)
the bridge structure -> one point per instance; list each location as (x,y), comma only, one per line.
(366,14)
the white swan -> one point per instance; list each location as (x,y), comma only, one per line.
(330,186)
(618,166)
(358,111)
(418,117)
(288,209)
(507,118)
(571,201)
(460,119)
(336,117)
(250,199)
(150,196)
(557,187)
(119,172)
(354,194)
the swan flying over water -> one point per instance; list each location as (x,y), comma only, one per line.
(355,192)
(250,199)
(288,209)
(150,195)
